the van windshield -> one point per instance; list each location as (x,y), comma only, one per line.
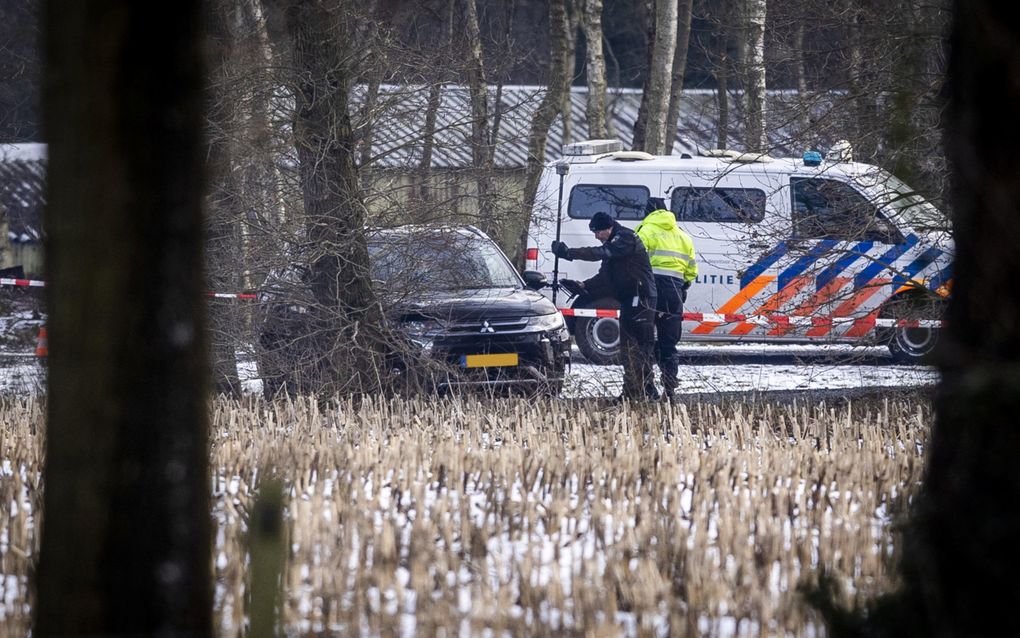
(410,262)
(907,205)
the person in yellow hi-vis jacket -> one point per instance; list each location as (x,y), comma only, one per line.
(674,265)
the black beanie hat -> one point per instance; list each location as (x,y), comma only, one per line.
(653,204)
(600,221)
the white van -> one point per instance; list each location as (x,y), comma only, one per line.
(789,250)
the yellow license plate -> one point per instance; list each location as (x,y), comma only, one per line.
(489,360)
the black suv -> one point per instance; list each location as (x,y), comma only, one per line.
(464,315)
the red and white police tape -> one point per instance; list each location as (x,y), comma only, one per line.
(770,320)
(603,313)
(36,283)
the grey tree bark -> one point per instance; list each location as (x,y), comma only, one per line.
(683,41)
(431,113)
(482,148)
(659,72)
(344,347)
(574,19)
(126,539)
(641,123)
(596,70)
(558,83)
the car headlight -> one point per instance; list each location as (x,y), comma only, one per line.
(549,323)
(422,333)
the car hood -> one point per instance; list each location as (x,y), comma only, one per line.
(475,304)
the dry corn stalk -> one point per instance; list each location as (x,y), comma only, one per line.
(415,516)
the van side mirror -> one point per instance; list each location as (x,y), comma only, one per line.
(534,279)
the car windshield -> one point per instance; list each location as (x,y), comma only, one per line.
(438,261)
(907,204)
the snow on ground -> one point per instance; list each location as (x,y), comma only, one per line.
(704,369)
(586,380)
(711,368)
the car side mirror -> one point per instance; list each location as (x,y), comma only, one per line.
(534,279)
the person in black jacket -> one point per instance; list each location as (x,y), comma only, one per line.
(625,275)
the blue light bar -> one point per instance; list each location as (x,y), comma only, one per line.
(812,158)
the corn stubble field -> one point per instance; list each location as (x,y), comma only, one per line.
(463,518)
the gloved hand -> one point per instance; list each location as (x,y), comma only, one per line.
(572,286)
(560,249)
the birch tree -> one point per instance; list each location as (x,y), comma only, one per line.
(596,70)
(655,99)
(756,138)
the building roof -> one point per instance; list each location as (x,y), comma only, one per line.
(399,123)
(23,190)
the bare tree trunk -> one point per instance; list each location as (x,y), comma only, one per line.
(641,123)
(722,94)
(756,140)
(966,538)
(800,77)
(432,112)
(482,149)
(429,141)
(683,41)
(367,107)
(596,70)
(960,548)
(717,51)
(224,207)
(558,83)
(901,135)
(345,343)
(126,539)
(574,10)
(659,76)
(865,142)
(374,66)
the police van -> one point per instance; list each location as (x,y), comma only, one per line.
(816,249)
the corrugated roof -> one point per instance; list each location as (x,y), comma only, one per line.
(399,123)
(23,190)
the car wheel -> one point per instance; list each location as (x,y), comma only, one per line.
(598,338)
(912,345)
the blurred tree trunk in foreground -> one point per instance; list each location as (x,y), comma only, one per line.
(964,540)
(960,550)
(126,525)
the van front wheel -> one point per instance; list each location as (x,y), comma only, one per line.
(907,344)
(598,338)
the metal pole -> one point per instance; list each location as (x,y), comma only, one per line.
(562,168)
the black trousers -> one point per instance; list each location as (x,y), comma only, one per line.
(669,318)
(637,345)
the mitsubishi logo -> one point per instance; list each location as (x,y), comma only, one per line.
(486,327)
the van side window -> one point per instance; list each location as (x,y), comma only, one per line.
(622,202)
(829,209)
(733,205)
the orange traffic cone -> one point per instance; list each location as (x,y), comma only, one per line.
(41,346)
